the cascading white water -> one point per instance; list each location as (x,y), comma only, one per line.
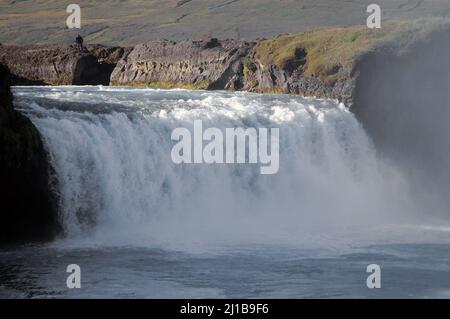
(111,150)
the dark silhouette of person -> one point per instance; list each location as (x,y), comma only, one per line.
(79,42)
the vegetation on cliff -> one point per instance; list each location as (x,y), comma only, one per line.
(319,62)
(331,53)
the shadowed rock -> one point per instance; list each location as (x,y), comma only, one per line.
(59,65)
(28,209)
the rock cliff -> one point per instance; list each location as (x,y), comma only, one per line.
(209,64)
(322,63)
(60,65)
(28,209)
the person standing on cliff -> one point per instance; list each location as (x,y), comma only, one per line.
(79,42)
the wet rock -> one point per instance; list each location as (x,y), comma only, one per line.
(28,206)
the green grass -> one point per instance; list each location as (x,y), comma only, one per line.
(331,53)
(249,67)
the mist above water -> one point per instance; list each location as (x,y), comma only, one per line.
(403,101)
(111,151)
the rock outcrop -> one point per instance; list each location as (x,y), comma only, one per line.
(28,209)
(218,65)
(323,63)
(326,62)
(208,64)
(60,65)
(107,59)
(263,77)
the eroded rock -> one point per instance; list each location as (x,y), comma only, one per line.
(191,64)
(59,65)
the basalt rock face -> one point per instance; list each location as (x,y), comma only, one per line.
(209,64)
(269,78)
(59,65)
(106,54)
(107,58)
(326,62)
(28,207)
(217,65)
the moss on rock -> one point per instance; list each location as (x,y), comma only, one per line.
(331,53)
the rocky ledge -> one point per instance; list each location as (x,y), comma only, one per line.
(208,64)
(60,65)
(322,63)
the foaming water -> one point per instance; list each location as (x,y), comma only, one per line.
(140,226)
(111,150)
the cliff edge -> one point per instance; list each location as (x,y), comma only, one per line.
(209,64)
(322,63)
(60,64)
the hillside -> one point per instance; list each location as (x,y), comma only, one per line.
(128,22)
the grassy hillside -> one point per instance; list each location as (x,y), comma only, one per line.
(329,53)
(127,22)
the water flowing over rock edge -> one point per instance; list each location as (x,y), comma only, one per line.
(31,212)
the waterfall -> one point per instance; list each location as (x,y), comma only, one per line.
(111,151)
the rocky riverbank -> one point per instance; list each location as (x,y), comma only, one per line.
(321,63)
